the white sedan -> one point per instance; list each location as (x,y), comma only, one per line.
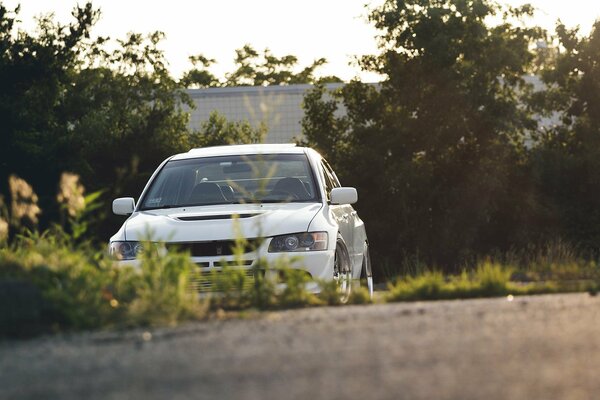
(289,196)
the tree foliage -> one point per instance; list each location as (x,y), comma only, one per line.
(566,162)
(253,68)
(199,76)
(35,72)
(441,139)
(218,131)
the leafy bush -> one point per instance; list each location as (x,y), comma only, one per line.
(493,279)
(360,295)
(487,280)
(71,281)
(83,289)
(49,284)
(429,285)
(330,293)
(294,293)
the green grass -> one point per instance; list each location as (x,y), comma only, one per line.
(487,280)
(48,284)
(71,283)
(159,293)
(79,288)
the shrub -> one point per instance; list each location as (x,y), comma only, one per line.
(487,280)
(360,295)
(162,292)
(492,279)
(71,281)
(294,293)
(80,288)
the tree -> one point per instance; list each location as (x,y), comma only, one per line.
(34,73)
(254,69)
(440,140)
(566,160)
(217,131)
(68,104)
(199,76)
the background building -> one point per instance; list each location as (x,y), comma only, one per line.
(279,107)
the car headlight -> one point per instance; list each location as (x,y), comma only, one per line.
(308,241)
(125,250)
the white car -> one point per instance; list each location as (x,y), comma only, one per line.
(288,195)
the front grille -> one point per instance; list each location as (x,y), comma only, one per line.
(213,248)
(214,280)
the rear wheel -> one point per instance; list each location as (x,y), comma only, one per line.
(366,273)
(342,272)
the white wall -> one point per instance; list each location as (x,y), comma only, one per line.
(280,107)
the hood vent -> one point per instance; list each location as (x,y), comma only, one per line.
(213,217)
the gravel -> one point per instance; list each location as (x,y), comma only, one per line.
(538,347)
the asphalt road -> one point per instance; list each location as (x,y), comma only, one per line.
(545,347)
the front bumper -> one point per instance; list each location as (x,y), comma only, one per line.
(319,264)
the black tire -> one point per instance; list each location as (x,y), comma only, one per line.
(366,273)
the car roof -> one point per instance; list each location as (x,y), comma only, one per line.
(242,149)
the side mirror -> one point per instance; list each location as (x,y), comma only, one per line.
(123,206)
(344,195)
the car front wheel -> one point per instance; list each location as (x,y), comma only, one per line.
(342,272)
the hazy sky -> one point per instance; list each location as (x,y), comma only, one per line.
(309,29)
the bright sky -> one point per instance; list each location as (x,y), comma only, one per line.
(309,29)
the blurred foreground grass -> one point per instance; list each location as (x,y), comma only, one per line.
(49,284)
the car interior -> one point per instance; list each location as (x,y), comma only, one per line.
(286,188)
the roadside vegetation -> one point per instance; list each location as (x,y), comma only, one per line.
(493,280)
(48,284)
(464,194)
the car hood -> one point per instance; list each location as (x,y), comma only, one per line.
(208,223)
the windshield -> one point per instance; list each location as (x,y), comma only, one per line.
(232,180)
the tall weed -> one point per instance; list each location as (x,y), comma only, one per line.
(162,294)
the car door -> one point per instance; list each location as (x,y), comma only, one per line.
(342,213)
